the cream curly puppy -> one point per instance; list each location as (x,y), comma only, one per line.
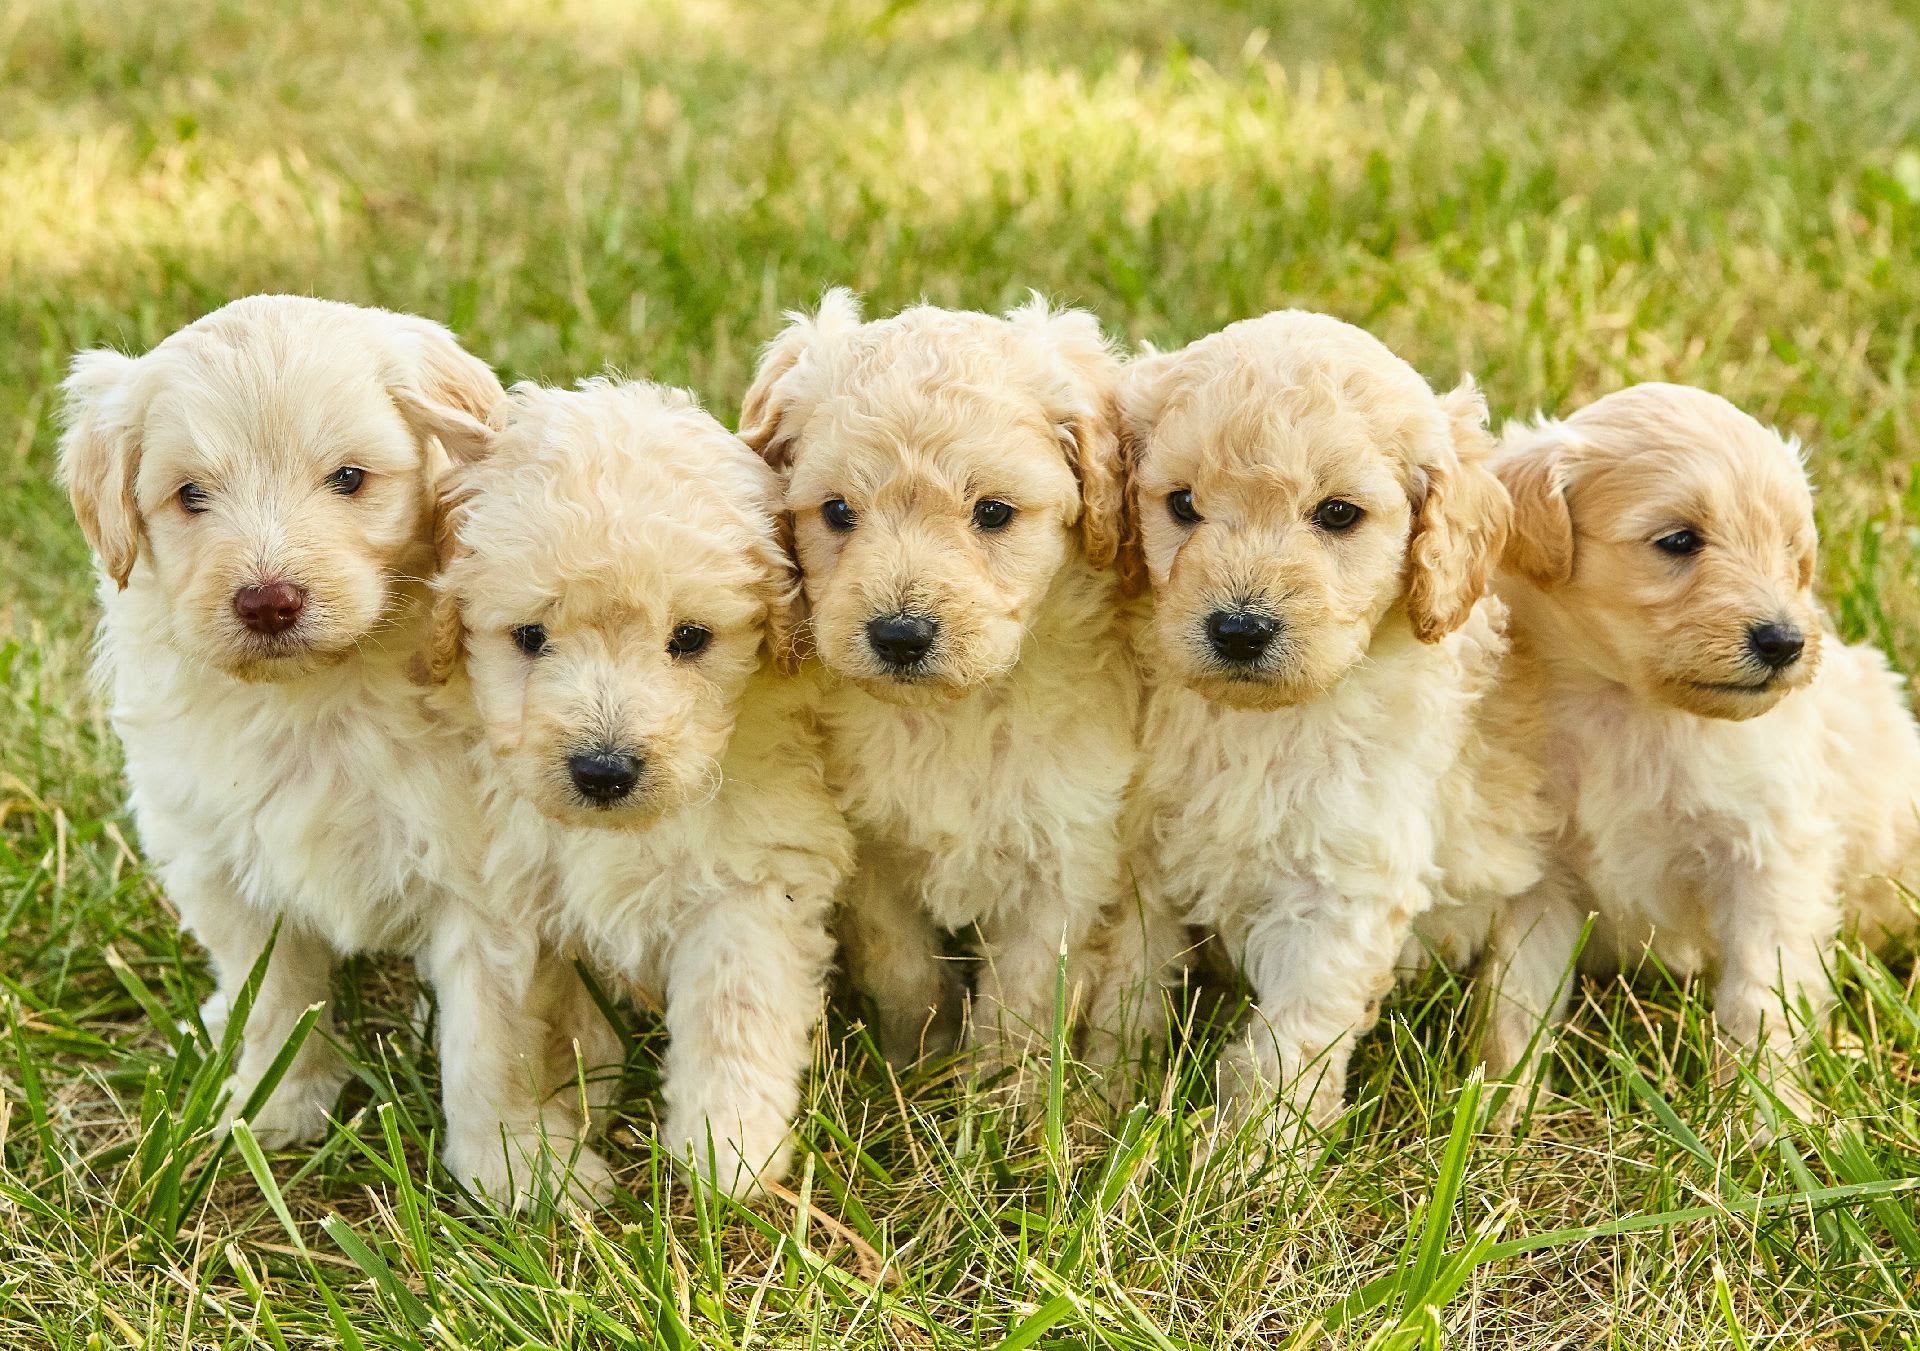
(1325,757)
(615,596)
(259,492)
(1731,784)
(953,484)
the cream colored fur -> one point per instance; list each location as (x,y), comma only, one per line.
(1725,829)
(1309,808)
(616,516)
(985,785)
(302,780)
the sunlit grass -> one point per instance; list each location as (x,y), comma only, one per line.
(1561,199)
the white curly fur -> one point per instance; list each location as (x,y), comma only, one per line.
(1308,806)
(613,515)
(985,787)
(302,782)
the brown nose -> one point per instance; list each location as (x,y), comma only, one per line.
(270,609)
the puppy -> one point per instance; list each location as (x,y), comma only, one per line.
(259,492)
(952,482)
(1322,759)
(1731,784)
(614,585)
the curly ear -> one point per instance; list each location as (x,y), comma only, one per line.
(1085,410)
(100,457)
(770,417)
(1146,385)
(443,390)
(446,627)
(1460,522)
(786,600)
(1532,468)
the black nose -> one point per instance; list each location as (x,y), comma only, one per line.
(604,776)
(901,640)
(1239,635)
(1778,645)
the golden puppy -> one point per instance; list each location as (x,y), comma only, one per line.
(954,492)
(1320,763)
(616,582)
(1731,783)
(259,492)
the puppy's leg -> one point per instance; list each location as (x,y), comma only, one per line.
(502,1134)
(1527,982)
(298,976)
(1140,950)
(744,990)
(580,1042)
(1047,915)
(1776,932)
(893,955)
(1319,964)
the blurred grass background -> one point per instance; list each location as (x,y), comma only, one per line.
(1561,199)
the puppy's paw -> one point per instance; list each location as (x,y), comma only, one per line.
(737,1167)
(907,1040)
(296,1113)
(514,1171)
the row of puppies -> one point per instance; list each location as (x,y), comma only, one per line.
(1110,657)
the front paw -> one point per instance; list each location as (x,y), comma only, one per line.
(514,1170)
(739,1167)
(1777,1098)
(926,1034)
(297,1112)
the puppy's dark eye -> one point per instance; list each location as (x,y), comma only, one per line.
(1337,514)
(1680,543)
(688,639)
(991,515)
(1180,503)
(193,498)
(347,480)
(837,514)
(530,638)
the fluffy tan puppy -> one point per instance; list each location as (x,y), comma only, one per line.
(618,590)
(953,487)
(1731,783)
(259,492)
(1322,761)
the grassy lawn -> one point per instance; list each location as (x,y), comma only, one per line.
(1560,198)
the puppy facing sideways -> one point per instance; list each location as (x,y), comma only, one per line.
(615,581)
(952,482)
(1730,785)
(259,492)
(1325,754)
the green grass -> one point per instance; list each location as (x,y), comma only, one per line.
(1560,198)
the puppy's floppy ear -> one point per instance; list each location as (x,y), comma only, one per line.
(1531,466)
(786,600)
(1146,384)
(1086,412)
(446,628)
(443,390)
(770,417)
(100,457)
(1460,522)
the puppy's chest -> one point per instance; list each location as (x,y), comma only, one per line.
(348,814)
(1233,801)
(980,774)
(1660,816)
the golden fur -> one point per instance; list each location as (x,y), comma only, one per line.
(1724,814)
(1306,806)
(985,780)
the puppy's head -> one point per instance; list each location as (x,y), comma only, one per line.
(1293,484)
(612,572)
(264,476)
(942,467)
(1671,536)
